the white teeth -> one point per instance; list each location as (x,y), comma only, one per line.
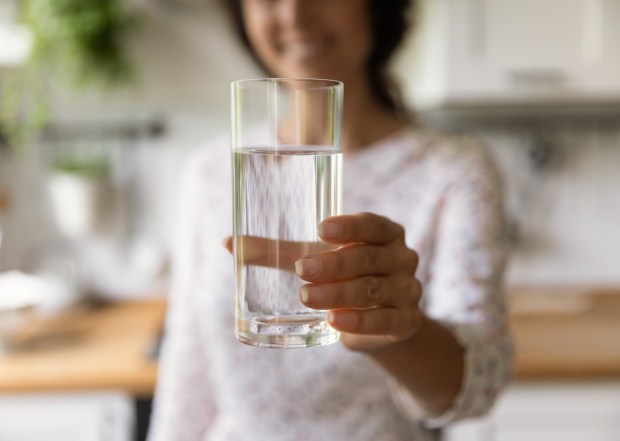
(298,50)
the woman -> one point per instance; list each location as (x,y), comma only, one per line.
(425,339)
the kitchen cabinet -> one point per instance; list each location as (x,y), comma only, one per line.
(95,416)
(494,53)
(549,411)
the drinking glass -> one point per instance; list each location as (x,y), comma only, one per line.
(287,178)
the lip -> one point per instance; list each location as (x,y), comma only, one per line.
(303,50)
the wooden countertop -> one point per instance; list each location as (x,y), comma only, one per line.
(105,348)
(559,335)
(566,333)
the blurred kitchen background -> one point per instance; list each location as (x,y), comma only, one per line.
(88,177)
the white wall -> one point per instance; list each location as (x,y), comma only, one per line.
(567,216)
(567,213)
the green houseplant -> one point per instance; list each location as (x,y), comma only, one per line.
(77,42)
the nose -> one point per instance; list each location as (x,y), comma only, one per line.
(296,13)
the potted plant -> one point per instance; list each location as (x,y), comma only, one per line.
(82,195)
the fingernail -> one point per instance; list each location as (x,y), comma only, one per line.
(308,267)
(332,317)
(311,294)
(330,230)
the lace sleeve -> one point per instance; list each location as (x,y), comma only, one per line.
(465,287)
(183,408)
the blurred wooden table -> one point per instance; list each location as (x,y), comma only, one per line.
(559,335)
(565,333)
(106,348)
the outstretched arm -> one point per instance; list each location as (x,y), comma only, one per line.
(370,288)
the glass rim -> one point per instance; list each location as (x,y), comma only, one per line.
(321,83)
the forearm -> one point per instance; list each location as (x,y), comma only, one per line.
(429,364)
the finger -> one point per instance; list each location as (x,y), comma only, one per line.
(400,323)
(228,243)
(361,292)
(362,227)
(271,252)
(353,261)
(358,342)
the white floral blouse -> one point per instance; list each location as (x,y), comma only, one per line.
(447,195)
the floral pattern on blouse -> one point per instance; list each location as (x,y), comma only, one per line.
(447,194)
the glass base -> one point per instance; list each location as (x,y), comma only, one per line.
(292,331)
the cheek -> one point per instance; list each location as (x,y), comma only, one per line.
(361,48)
(355,49)
(355,33)
(260,30)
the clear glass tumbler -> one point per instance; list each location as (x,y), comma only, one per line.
(287,178)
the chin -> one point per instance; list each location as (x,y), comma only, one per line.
(305,69)
(312,73)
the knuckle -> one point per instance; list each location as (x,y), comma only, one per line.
(408,285)
(371,258)
(412,287)
(373,292)
(411,259)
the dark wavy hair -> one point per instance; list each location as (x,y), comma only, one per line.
(390,21)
